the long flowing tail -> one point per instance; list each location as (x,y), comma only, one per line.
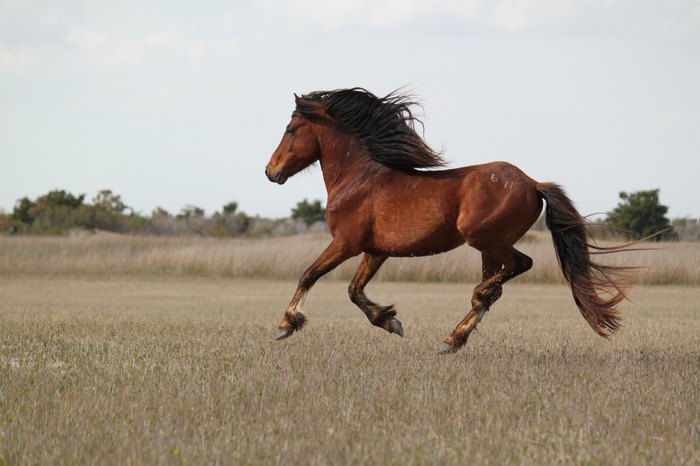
(597,288)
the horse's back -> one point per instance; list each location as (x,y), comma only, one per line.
(428,212)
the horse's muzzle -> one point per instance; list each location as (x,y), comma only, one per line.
(277,177)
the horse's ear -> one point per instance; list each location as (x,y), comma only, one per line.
(296,97)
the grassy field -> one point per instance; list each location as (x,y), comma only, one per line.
(109,255)
(154,370)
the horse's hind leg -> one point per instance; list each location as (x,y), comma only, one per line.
(381,316)
(499,266)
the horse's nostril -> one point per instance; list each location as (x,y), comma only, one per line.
(276,176)
(279,177)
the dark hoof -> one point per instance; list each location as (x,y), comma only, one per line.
(395,327)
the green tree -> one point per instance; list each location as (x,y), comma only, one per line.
(640,214)
(53,212)
(230,208)
(57,198)
(106,213)
(21,212)
(309,212)
(108,201)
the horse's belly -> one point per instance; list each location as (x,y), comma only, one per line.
(414,239)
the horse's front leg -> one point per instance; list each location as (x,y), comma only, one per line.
(330,258)
(381,316)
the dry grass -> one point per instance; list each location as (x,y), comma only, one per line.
(106,255)
(127,371)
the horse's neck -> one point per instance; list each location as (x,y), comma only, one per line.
(343,159)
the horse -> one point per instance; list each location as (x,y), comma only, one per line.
(389,195)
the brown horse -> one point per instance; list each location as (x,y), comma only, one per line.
(380,204)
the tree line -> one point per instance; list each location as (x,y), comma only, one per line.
(59,212)
(637,215)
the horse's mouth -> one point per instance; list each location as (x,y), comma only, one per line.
(277,177)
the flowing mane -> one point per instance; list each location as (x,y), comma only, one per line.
(384,125)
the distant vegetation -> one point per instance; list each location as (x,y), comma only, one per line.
(115,255)
(309,212)
(640,215)
(59,212)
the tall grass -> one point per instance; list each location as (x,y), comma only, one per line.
(105,255)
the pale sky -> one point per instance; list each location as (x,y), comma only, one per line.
(171,103)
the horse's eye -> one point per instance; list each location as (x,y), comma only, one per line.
(290,130)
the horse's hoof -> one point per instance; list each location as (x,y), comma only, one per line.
(284,332)
(446,348)
(395,327)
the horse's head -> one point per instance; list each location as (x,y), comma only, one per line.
(298,149)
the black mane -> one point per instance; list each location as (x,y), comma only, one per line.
(384,125)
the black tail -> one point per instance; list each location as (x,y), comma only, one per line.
(597,288)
